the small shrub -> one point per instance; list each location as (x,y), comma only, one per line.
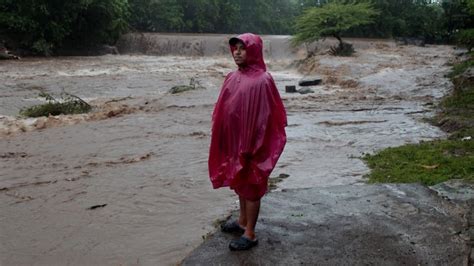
(465,38)
(68,104)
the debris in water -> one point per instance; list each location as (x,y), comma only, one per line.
(305,91)
(97,206)
(67,104)
(290,89)
(312,81)
(13,155)
(194,84)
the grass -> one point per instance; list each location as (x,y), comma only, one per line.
(428,163)
(434,162)
(68,104)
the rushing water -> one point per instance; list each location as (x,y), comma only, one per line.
(144,151)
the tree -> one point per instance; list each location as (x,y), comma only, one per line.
(42,26)
(156,15)
(331,20)
(465,37)
(103,21)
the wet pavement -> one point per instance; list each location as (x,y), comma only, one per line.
(389,224)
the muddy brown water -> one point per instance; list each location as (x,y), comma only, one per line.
(142,154)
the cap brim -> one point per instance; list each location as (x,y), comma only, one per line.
(234,40)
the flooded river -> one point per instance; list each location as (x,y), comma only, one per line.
(127,184)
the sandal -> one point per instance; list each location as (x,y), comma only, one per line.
(243,243)
(232,227)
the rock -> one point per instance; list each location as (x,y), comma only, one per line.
(312,81)
(290,89)
(305,91)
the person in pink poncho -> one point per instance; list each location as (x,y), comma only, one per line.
(248,135)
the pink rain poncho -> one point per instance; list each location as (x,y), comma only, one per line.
(248,126)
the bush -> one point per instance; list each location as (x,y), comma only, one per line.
(42,26)
(69,104)
(465,38)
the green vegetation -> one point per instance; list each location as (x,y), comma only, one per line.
(428,162)
(44,26)
(436,161)
(457,116)
(331,20)
(68,104)
(461,68)
(466,38)
(214,16)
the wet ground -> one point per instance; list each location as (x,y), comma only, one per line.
(389,224)
(140,159)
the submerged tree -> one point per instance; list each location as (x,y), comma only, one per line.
(332,20)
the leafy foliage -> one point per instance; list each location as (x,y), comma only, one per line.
(103,21)
(44,25)
(331,20)
(68,104)
(466,38)
(156,15)
(217,16)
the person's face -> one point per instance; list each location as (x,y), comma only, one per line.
(240,54)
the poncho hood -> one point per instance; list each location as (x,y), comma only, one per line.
(254,47)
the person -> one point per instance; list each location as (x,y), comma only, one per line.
(247,136)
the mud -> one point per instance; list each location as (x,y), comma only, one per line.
(142,152)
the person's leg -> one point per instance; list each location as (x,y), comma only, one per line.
(252,209)
(237,226)
(243,212)
(249,213)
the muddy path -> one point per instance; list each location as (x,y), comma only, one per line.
(127,184)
